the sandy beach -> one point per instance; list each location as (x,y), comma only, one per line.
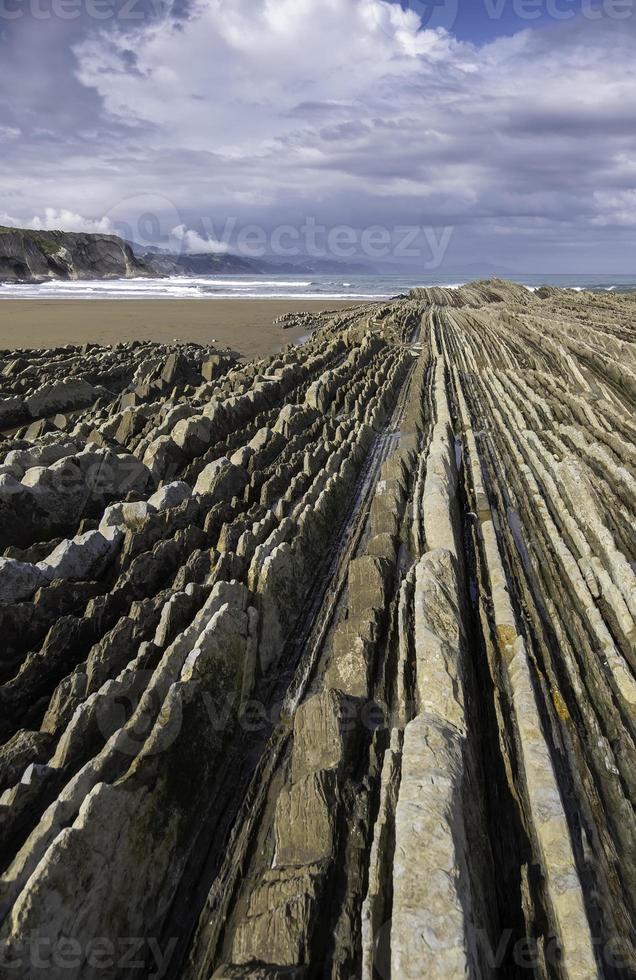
(243,324)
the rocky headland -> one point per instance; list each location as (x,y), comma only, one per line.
(34,256)
(323,664)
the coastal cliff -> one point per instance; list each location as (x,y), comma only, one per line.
(27,256)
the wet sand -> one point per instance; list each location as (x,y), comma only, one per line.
(245,325)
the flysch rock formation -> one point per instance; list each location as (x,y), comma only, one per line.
(323,665)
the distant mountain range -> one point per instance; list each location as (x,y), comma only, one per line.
(225,263)
(209,264)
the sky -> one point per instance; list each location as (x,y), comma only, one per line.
(424,134)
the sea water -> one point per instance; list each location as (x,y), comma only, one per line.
(353,287)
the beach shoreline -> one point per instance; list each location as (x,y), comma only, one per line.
(245,325)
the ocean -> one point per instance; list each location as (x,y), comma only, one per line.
(282,287)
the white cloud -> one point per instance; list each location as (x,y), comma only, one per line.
(227,78)
(62,220)
(616,208)
(316,101)
(192,241)
(9,133)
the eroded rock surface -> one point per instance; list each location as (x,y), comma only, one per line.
(323,665)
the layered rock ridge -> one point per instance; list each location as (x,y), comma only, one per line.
(323,665)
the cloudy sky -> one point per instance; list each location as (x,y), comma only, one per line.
(504,130)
